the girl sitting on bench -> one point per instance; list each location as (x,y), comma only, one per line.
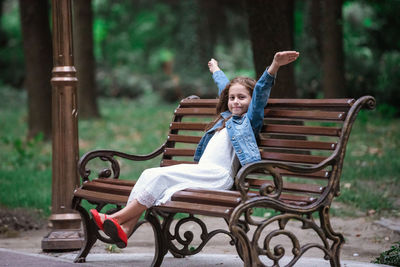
(229,142)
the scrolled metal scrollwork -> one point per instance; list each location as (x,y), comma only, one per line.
(188,236)
(110,156)
(264,236)
(270,190)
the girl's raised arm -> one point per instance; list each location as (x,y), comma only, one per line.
(218,75)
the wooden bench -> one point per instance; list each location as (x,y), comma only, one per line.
(302,144)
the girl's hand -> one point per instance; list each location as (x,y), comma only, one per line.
(285,57)
(213,65)
(281,59)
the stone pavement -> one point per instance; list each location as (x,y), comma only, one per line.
(13,258)
(25,250)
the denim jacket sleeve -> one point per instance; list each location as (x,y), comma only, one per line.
(221,80)
(261,92)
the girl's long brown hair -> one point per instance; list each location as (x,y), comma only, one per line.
(222,105)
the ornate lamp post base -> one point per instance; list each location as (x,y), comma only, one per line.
(66,233)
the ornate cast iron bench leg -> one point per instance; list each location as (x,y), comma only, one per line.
(90,230)
(337,238)
(159,240)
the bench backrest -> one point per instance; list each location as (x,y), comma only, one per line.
(305,132)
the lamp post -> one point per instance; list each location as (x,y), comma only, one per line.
(66,233)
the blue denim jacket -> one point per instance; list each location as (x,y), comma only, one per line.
(242,130)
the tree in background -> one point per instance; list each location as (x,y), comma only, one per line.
(37,48)
(332,49)
(271,30)
(309,43)
(84,59)
(3,39)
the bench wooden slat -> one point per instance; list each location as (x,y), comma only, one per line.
(170,162)
(206,198)
(302,199)
(301,130)
(199,102)
(179,152)
(228,193)
(184,138)
(297,199)
(115,181)
(297,144)
(298,158)
(112,188)
(311,103)
(320,175)
(194,208)
(189,126)
(294,187)
(101,197)
(305,114)
(198,111)
(316,175)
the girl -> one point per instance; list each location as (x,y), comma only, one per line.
(229,142)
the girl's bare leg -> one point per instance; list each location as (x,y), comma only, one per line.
(133,210)
(128,216)
(129,225)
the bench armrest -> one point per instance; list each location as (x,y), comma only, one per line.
(109,155)
(271,167)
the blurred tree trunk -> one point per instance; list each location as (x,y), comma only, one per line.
(332,50)
(84,59)
(208,22)
(188,38)
(271,31)
(315,19)
(38,64)
(3,40)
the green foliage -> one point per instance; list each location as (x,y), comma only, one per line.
(391,256)
(372,60)
(11,55)
(143,46)
(371,48)
(135,40)
(388,80)
(25,149)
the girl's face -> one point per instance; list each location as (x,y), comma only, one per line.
(238,99)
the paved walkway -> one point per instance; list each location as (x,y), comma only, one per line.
(14,258)
(25,250)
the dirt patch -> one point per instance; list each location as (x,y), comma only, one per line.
(14,221)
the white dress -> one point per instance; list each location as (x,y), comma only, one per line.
(215,170)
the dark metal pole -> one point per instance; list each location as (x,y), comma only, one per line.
(66,233)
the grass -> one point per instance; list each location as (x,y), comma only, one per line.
(370,178)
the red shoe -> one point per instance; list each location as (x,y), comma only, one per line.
(97,219)
(115,232)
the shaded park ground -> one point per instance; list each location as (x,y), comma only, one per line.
(369,184)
